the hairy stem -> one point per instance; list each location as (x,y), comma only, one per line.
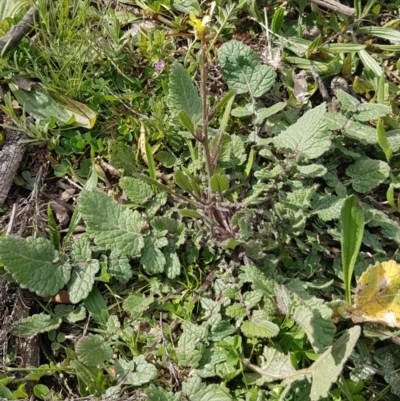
(203,91)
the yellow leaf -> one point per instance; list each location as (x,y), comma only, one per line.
(377,298)
(142,143)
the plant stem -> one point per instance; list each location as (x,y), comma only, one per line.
(203,92)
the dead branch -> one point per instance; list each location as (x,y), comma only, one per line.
(336,6)
(18,31)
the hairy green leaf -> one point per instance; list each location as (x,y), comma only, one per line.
(186,351)
(308,312)
(84,270)
(259,328)
(36,266)
(137,372)
(35,324)
(92,350)
(136,304)
(367,174)
(183,95)
(123,157)
(243,70)
(182,181)
(371,111)
(308,136)
(138,191)
(219,183)
(109,224)
(119,266)
(152,259)
(327,368)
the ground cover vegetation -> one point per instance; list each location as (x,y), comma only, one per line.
(208,207)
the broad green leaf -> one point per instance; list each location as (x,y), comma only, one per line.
(167,159)
(243,70)
(192,385)
(97,307)
(71,313)
(389,228)
(36,266)
(312,170)
(138,191)
(219,183)
(136,304)
(367,174)
(371,111)
(381,32)
(308,312)
(93,350)
(243,111)
(91,380)
(264,113)
(327,207)
(35,324)
(259,328)
(370,63)
(83,272)
(109,224)
(154,393)
(383,140)
(182,181)
(172,262)
(352,222)
(277,20)
(308,136)
(236,311)
(347,102)
(361,132)
(41,391)
(41,104)
(275,361)
(186,351)
(327,368)
(119,267)
(137,372)
(82,280)
(212,392)
(190,213)
(5,393)
(183,94)
(393,137)
(152,259)
(187,6)
(123,157)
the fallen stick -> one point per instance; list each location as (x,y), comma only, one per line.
(10,158)
(18,31)
(336,6)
